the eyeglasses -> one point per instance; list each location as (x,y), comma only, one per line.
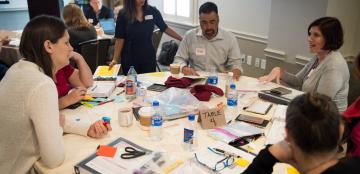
(220,165)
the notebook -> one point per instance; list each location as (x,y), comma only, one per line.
(102,73)
(259,107)
(108,25)
(101,88)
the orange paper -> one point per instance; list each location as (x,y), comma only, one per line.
(107,151)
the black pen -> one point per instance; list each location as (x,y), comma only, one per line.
(94,88)
(120,92)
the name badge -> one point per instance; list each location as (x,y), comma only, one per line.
(148,17)
(200,51)
(91,20)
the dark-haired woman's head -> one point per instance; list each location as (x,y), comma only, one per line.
(45,42)
(130,8)
(313,123)
(325,34)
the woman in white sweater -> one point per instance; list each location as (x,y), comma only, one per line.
(327,73)
(30,119)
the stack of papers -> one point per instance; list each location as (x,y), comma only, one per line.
(101,89)
(277,130)
(234,131)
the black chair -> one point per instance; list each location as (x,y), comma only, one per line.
(156,38)
(95,52)
(354,85)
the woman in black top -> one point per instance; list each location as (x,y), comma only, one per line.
(313,132)
(79,28)
(134,29)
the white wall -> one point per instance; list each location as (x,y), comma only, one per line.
(14,16)
(244,16)
(348,13)
(289,23)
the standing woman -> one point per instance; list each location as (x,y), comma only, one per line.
(327,73)
(134,29)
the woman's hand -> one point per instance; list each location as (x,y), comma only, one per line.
(76,56)
(189,71)
(283,152)
(274,74)
(77,94)
(112,63)
(98,129)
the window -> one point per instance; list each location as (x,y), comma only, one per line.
(179,10)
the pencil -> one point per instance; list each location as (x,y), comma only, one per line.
(101,103)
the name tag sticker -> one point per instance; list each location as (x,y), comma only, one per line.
(200,51)
(148,17)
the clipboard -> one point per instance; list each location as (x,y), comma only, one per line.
(81,167)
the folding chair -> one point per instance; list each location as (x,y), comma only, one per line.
(156,38)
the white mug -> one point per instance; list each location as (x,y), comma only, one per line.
(125,117)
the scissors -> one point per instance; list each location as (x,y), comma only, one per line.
(131,153)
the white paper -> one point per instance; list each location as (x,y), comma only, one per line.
(101,89)
(276,132)
(259,107)
(280,112)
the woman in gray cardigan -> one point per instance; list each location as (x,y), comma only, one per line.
(327,73)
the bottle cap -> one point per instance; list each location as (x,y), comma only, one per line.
(106,119)
(191,117)
(232,86)
(155,103)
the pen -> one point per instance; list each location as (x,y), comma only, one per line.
(120,92)
(94,88)
(243,90)
(247,151)
(227,153)
(101,103)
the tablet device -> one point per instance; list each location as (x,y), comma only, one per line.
(157,88)
(108,25)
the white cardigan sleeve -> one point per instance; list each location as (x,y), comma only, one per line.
(44,114)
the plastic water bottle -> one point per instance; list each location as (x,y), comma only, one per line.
(190,134)
(130,84)
(232,97)
(229,80)
(156,123)
(213,77)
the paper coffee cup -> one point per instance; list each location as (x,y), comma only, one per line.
(145,117)
(175,70)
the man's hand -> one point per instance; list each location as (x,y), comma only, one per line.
(189,71)
(77,94)
(237,74)
(98,129)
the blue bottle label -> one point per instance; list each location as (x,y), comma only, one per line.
(188,136)
(156,121)
(212,80)
(231,102)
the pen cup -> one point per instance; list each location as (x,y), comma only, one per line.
(125,117)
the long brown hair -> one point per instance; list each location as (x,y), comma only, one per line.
(74,16)
(130,9)
(35,33)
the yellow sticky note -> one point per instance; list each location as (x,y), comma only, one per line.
(242,162)
(156,74)
(292,170)
(88,97)
(104,71)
